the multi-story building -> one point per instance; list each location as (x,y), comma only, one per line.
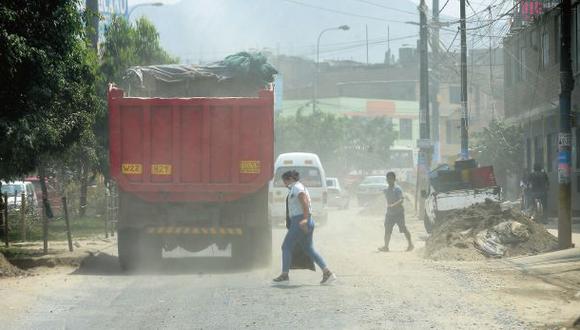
(392,90)
(532,88)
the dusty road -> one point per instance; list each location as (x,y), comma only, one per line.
(397,290)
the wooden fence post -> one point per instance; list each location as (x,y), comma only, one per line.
(67,222)
(6,220)
(23,217)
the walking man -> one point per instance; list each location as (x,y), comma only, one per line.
(395,213)
(539,185)
(301,229)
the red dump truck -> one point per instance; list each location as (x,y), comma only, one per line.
(192,172)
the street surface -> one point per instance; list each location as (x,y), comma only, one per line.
(396,290)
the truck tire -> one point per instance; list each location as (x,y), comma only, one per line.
(138,250)
(428,224)
(126,244)
(150,251)
(254,248)
(263,254)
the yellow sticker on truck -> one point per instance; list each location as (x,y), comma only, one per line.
(161,169)
(132,169)
(250,167)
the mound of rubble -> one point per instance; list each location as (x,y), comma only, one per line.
(7,269)
(485,230)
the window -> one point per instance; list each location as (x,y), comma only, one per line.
(538,151)
(406,129)
(309,176)
(550,148)
(453,131)
(508,69)
(523,67)
(545,49)
(577,148)
(528,154)
(574,49)
(557,38)
(455,94)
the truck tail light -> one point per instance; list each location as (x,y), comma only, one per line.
(325,197)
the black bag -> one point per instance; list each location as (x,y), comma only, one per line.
(300,260)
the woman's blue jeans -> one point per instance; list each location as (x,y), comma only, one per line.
(296,235)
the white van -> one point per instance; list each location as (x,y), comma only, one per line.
(312,175)
(14,191)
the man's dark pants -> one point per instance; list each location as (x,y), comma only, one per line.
(392,219)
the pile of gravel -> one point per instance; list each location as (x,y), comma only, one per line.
(7,269)
(454,237)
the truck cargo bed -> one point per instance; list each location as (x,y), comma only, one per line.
(191,149)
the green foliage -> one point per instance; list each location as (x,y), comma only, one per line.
(501,145)
(343,143)
(125,45)
(47,82)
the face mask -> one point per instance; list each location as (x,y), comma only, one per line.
(290,185)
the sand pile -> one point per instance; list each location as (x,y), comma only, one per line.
(456,237)
(7,269)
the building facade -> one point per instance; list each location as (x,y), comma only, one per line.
(532,88)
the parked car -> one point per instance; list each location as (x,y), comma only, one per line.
(14,191)
(370,188)
(337,196)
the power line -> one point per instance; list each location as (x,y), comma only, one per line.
(387,7)
(342,12)
(361,44)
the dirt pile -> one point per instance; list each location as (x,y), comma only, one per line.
(454,238)
(7,269)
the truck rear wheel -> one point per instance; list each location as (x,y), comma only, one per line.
(427,223)
(263,255)
(254,248)
(126,239)
(138,250)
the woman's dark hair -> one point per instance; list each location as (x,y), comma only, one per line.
(292,174)
(392,174)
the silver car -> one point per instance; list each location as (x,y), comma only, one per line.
(337,197)
(371,188)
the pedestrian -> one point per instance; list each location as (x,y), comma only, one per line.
(539,185)
(395,213)
(301,229)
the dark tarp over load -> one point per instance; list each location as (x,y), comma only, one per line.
(241,74)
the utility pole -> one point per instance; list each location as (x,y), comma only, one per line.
(565,136)
(491,89)
(367,38)
(424,143)
(435,83)
(464,112)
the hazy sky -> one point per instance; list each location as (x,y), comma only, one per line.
(451,10)
(201,37)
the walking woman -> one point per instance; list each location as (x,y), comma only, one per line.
(301,229)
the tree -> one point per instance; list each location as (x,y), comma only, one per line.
(129,45)
(343,144)
(47,76)
(501,145)
(125,45)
